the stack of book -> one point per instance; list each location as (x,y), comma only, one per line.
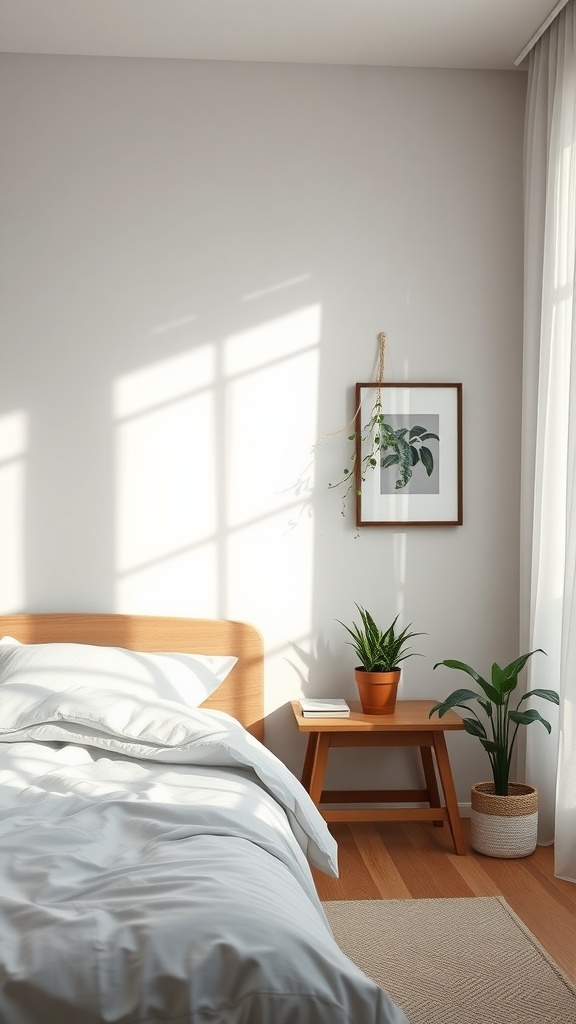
(327,707)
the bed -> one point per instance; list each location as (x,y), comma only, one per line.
(154,855)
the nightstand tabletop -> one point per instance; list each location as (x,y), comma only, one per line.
(409,716)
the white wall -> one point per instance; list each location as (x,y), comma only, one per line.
(198,258)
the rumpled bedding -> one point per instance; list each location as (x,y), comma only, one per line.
(154,867)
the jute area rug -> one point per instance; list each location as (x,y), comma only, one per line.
(454,961)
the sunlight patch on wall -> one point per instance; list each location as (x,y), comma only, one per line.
(165,498)
(210,448)
(272,387)
(164,380)
(272,374)
(165,495)
(175,325)
(278,564)
(13,450)
(182,584)
(263,345)
(301,279)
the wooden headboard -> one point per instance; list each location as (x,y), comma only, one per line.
(242,692)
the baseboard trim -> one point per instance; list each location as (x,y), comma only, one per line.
(464,808)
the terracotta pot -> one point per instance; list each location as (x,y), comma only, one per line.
(504,826)
(377,691)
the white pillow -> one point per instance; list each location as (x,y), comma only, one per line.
(9,641)
(31,674)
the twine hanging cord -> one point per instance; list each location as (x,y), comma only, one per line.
(379,380)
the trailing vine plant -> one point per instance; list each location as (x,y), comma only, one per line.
(353,474)
(377,445)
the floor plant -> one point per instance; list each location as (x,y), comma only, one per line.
(498,729)
(503,814)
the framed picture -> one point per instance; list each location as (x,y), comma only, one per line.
(408,454)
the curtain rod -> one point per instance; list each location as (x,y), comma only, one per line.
(553,14)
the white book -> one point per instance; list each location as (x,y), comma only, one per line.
(327,707)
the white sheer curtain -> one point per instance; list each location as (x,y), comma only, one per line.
(548,512)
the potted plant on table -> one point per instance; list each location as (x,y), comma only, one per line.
(504,814)
(380,653)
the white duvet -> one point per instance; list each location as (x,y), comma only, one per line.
(154,866)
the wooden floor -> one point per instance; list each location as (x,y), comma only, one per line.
(416,861)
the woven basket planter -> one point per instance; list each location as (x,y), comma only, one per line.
(504,826)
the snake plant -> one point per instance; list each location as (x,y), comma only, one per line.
(379,650)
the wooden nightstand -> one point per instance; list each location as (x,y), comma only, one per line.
(409,726)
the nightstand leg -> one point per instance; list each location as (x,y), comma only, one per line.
(309,760)
(319,767)
(445,773)
(431,781)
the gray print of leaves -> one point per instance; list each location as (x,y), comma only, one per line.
(407,452)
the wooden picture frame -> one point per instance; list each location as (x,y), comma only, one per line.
(408,465)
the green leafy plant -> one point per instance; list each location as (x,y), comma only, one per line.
(379,650)
(498,732)
(405,447)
